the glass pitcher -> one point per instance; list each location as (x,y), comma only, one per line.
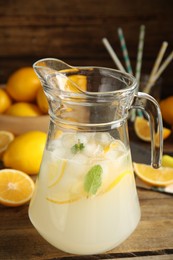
(85,201)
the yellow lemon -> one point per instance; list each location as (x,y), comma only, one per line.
(23,109)
(23,84)
(79,80)
(5,101)
(25,152)
(167,161)
(166,106)
(42,101)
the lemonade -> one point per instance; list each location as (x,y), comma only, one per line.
(85,200)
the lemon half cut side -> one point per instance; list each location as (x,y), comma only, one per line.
(16,187)
(162,176)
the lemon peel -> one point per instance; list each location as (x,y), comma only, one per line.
(23,84)
(56,172)
(25,152)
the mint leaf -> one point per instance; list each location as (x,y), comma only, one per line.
(93,179)
(77,147)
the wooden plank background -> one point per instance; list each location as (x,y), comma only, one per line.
(72,30)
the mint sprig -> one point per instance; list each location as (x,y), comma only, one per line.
(93,179)
(77,147)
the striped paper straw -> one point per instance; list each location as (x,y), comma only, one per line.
(161,69)
(156,66)
(140,52)
(124,50)
(113,54)
(164,65)
(138,66)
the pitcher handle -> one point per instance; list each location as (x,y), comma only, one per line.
(151,109)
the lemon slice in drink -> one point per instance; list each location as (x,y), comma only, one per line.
(116,181)
(67,195)
(70,197)
(111,146)
(56,172)
(65,183)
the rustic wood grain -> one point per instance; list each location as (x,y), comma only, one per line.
(72,30)
(153,236)
(166,257)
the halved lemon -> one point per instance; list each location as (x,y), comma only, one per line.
(142,130)
(16,187)
(155,177)
(5,139)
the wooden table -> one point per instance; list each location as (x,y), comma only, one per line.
(153,238)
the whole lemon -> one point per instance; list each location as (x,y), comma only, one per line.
(23,84)
(25,152)
(167,161)
(23,109)
(42,101)
(166,106)
(5,101)
(79,80)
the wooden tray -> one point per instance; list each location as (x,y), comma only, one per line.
(18,125)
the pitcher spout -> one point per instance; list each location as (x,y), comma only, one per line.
(61,82)
(44,68)
(59,75)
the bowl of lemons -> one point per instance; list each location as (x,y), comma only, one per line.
(23,104)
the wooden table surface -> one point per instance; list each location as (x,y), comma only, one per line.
(153,238)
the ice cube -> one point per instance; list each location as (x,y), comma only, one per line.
(68,140)
(84,137)
(113,155)
(80,158)
(54,145)
(58,153)
(93,150)
(103,138)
